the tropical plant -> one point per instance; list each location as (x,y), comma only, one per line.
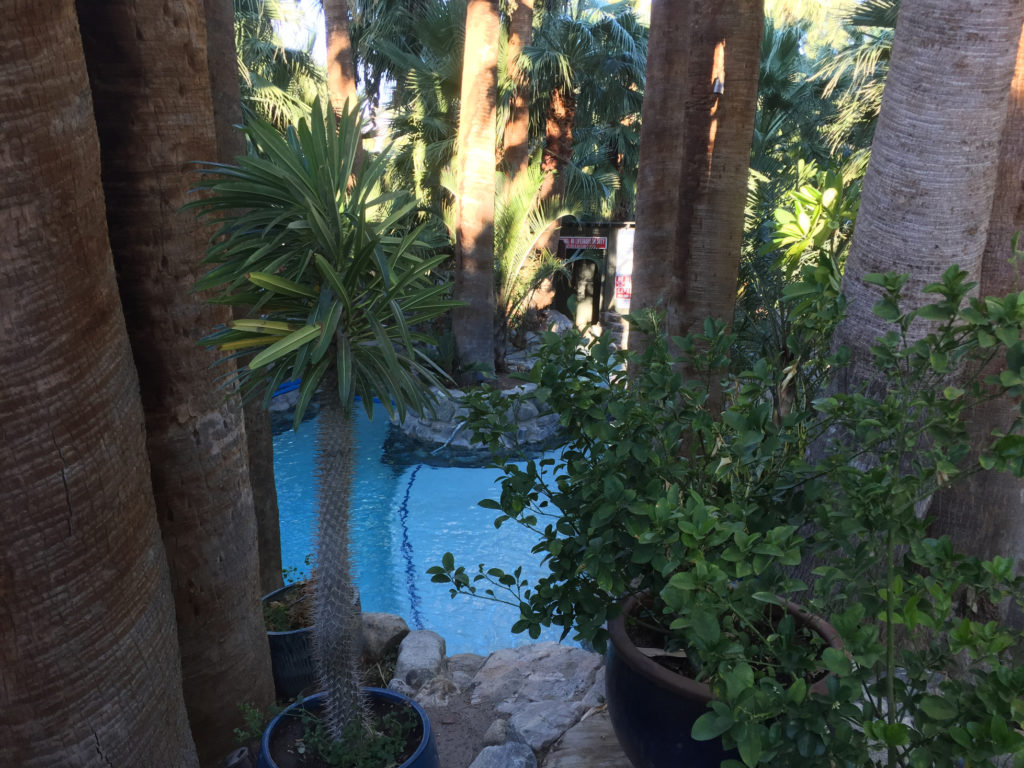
(338,283)
(521,264)
(278,83)
(854,75)
(586,70)
(419,46)
(714,513)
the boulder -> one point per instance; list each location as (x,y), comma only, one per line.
(421,658)
(542,723)
(557,322)
(500,732)
(511,755)
(463,668)
(382,634)
(535,672)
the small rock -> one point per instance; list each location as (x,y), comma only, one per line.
(382,633)
(543,722)
(506,756)
(525,411)
(500,732)
(558,322)
(463,668)
(436,693)
(421,658)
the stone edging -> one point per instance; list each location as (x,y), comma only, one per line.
(536,424)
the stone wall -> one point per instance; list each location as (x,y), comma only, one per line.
(536,425)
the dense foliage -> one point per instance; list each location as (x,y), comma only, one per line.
(721,512)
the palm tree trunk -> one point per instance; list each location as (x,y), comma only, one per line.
(517,133)
(982,512)
(150,83)
(698,120)
(341,63)
(88,651)
(929,186)
(227,113)
(473,323)
(558,122)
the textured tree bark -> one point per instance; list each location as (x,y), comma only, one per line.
(982,512)
(89,669)
(341,63)
(150,83)
(698,121)
(558,122)
(227,113)
(516,155)
(929,186)
(473,324)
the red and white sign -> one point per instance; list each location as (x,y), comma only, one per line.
(623,287)
(574,243)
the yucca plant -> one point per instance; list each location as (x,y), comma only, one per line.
(337,284)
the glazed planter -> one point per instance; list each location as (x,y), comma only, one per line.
(291,656)
(653,709)
(425,755)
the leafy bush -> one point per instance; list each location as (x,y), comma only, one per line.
(720,512)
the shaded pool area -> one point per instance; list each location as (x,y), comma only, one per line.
(405,515)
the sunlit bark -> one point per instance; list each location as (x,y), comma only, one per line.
(698,118)
(983,512)
(929,187)
(473,323)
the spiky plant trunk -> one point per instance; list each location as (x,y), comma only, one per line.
(336,630)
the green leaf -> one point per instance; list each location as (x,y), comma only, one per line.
(710,725)
(286,345)
(750,747)
(738,679)
(279,284)
(797,692)
(836,662)
(938,708)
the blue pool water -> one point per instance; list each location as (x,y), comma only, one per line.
(405,516)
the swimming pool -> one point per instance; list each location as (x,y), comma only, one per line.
(405,515)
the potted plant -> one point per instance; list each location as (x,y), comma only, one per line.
(287,616)
(338,279)
(710,499)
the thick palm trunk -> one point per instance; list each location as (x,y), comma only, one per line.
(517,132)
(341,66)
(227,113)
(929,186)
(983,512)
(89,671)
(150,83)
(698,120)
(473,324)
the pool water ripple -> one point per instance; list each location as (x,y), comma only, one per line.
(405,515)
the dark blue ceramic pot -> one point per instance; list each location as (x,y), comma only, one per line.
(425,755)
(291,655)
(653,709)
